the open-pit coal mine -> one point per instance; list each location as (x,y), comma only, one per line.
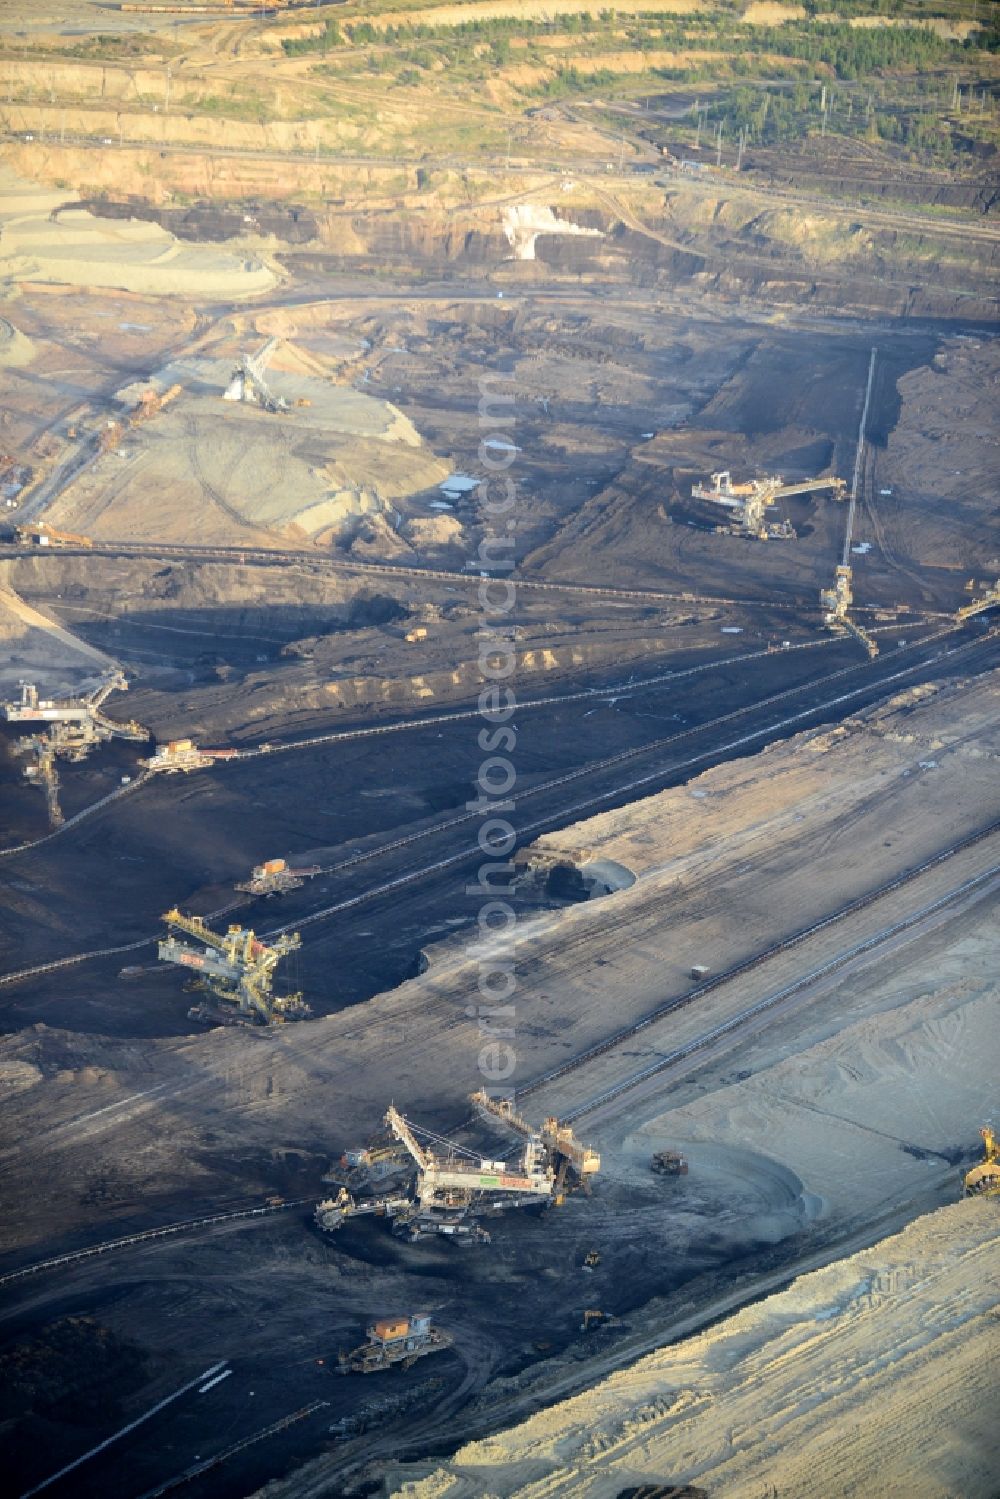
(498,743)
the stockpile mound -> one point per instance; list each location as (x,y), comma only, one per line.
(873,1375)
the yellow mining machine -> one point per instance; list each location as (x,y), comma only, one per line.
(110,435)
(41,534)
(82,714)
(395,1340)
(984,1180)
(237,969)
(368,1168)
(177,755)
(151,402)
(273,877)
(749,502)
(989,600)
(593,1319)
(43,773)
(457,1179)
(570,1162)
(75,726)
(449,1186)
(836,603)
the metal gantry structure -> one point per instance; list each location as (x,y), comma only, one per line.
(248,384)
(571,1163)
(448,1187)
(988,600)
(236,968)
(74,726)
(749,502)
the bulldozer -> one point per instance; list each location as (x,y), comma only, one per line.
(984,1180)
(669,1163)
(593,1319)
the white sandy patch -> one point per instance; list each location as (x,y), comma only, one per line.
(874,1375)
(41,239)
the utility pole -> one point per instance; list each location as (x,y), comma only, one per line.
(718,146)
(697,134)
(166,96)
(739,154)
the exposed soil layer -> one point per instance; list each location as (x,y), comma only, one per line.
(131,1132)
(293,224)
(703,772)
(863,1356)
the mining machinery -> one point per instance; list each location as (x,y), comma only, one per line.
(458,1179)
(750,502)
(836,603)
(273,877)
(668,1163)
(237,969)
(333,1212)
(570,1162)
(40,533)
(83,712)
(989,600)
(449,1186)
(247,382)
(984,1180)
(179,755)
(395,1340)
(110,435)
(43,773)
(593,1319)
(403,1211)
(151,402)
(370,1167)
(75,726)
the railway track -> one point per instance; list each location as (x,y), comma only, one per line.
(336,736)
(662,1063)
(71,822)
(146,1236)
(734,746)
(197,1469)
(467,579)
(610,762)
(736,1022)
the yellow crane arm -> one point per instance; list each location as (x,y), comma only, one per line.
(404,1134)
(195,927)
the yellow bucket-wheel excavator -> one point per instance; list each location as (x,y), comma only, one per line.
(984,1180)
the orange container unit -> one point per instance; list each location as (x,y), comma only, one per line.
(388,1329)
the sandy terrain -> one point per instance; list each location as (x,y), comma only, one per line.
(130,1128)
(37,649)
(225,470)
(838,800)
(43,238)
(874,1375)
